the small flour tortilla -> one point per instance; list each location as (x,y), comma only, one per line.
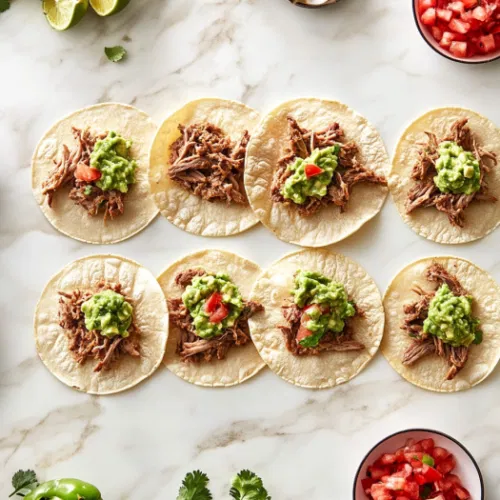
(329,369)
(430,371)
(480,217)
(73,220)
(181,207)
(241,363)
(268,145)
(150,313)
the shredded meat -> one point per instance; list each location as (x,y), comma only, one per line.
(85,344)
(425,193)
(206,162)
(329,342)
(348,173)
(424,344)
(86,194)
(193,349)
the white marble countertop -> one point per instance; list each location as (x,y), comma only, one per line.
(138,445)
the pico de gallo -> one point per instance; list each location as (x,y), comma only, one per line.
(465,28)
(418,471)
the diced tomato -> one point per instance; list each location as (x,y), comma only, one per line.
(416,447)
(379,472)
(457,7)
(380,492)
(459,26)
(428,17)
(387,459)
(87,174)
(458,49)
(468,4)
(440,454)
(461,493)
(426,4)
(400,455)
(312,170)
(447,465)
(219,314)
(446,39)
(427,445)
(412,490)
(431,474)
(437,33)
(414,458)
(212,302)
(444,14)
(367,484)
(420,479)
(394,483)
(303,333)
(402,498)
(480,13)
(487,43)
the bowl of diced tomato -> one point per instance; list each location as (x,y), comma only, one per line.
(418,464)
(466,31)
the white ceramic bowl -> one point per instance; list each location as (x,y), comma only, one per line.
(467,468)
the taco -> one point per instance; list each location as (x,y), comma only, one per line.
(89,173)
(196,167)
(101,324)
(322,321)
(445,178)
(315,172)
(209,341)
(442,316)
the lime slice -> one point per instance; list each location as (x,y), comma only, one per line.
(108,7)
(63,14)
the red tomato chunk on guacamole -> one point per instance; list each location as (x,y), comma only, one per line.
(419,470)
(465,28)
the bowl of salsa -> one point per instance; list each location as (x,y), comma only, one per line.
(467,31)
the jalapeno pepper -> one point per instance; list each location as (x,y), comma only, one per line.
(65,489)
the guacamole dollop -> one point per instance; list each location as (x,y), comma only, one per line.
(298,186)
(111,157)
(109,313)
(458,170)
(334,307)
(196,295)
(450,318)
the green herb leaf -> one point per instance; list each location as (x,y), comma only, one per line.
(88,190)
(116,53)
(479,337)
(4,5)
(428,460)
(426,492)
(23,481)
(248,486)
(194,487)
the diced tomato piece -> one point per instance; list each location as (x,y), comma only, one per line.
(402,498)
(414,458)
(367,483)
(219,314)
(427,445)
(487,44)
(439,454)
(437,33)
(400,455)
(444,14)
(420,479)
(212,302)
(404,470)
(428,18)
(388,459)
(480,13)
(380,492)
(426,4)
(379,472)
(457,7)
(431,474)
(312,170)
(459,26)
(446,39)
(87,174)
(459,49)
(417,447)
(461,493)
(468,4)
(394,483)
(447,465)
(412,490)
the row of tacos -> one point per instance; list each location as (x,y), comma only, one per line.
(316,318)
(312,171)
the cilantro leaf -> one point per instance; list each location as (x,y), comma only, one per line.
(248,486)
(23,481)
(116,53)
(194,487)
(4,5)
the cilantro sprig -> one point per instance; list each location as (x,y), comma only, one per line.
(23,481)
(194,487)
(248,486)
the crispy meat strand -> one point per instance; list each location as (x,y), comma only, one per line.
(425,193)
(63,175)
(349,171)
(84,344)
(206,162)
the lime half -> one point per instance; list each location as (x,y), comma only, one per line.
(108,7)
(63,14)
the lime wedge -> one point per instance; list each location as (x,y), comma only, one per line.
(63,14)
(108,7)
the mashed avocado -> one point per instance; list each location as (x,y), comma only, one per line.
(109,313)
(334,306)
(458,170)
(298,187)
(450,318)
(111,157)
(196,295)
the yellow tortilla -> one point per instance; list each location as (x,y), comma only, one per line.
(150,314)
(241,363)
(480,217)
(268,145)
(71,219)
(184,209)
(329,369)
(430,372)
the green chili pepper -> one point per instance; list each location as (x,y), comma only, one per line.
(65,489)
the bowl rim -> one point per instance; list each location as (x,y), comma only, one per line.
(442,52)
(311,6)
(420,429)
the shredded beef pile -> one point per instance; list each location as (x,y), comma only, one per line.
(193,349)
(426,194)
(329,342)
(64,175)
(348,172)
(415,314)
(207,163)
(84,344)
